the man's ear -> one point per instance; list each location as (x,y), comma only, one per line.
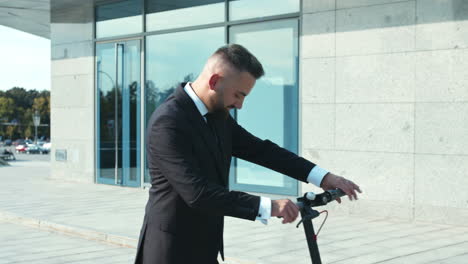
(214,79)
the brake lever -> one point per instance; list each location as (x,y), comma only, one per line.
(310,214)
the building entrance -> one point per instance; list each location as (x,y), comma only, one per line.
(118,102)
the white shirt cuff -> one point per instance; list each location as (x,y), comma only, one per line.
(316,175)
(264,210)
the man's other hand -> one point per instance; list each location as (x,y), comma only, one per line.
(332,181)
(285,209)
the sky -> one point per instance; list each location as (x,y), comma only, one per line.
(24,60)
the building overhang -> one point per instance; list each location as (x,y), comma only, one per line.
(31,16)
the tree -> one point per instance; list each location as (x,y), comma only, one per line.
(17,106)
(22,97)
(7,106)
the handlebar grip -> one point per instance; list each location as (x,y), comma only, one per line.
(336,193)
(313,199)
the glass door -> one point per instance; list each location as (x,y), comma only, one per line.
(118,79)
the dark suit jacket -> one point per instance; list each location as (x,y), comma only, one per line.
(189,172)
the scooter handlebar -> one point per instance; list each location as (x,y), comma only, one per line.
(311,199)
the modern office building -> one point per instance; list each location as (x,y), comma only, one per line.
(374,90)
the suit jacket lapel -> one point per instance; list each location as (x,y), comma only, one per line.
(199,124)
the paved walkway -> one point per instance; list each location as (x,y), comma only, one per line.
(24,244)
(109,214)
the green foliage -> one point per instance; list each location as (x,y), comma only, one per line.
(17,106)
(6,108)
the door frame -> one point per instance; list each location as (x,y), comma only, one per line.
(140,173)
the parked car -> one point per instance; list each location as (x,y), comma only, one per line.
(35,149)
(47,146)
(19,142)
(32,149)
(44,150)
(7,142)
(20,148)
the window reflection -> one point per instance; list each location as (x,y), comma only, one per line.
(166,14)
(244,9)
(107,97)
(119,18)
(175,58)
(118,112)
(271,110)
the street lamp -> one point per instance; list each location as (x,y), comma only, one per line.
(37,121)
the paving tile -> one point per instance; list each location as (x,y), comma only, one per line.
(54,247)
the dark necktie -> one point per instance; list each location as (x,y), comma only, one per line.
(210,121)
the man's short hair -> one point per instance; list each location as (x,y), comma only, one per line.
(241,59)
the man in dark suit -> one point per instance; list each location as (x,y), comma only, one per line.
(190,141)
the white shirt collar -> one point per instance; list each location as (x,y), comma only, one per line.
(198,102)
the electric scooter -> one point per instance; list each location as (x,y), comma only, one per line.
(305,204)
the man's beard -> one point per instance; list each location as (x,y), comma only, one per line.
(220,110)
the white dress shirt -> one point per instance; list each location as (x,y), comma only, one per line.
(264,212)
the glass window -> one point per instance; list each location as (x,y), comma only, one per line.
(244,9)
(119,18)
(174,58)
(167,14)
(271,109)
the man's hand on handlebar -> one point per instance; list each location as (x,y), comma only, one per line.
(332,181)
(285,209)
(289,211)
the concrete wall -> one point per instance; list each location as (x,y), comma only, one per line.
(72,102)
(384,100)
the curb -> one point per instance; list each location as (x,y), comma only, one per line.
(69,230)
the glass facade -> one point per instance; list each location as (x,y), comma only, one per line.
(271,110)
(180,36)
(170,14)
(119,18)
(245,9)
(173,58)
